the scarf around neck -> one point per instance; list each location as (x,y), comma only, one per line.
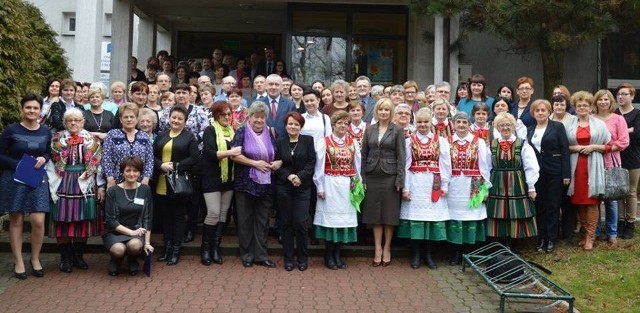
(222,133)
(258,147)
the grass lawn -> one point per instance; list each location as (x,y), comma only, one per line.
(602,280)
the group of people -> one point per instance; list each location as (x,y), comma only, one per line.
(326,160)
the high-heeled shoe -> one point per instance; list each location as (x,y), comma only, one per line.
(386,263)
(21,276)
(35,272)
(377,263)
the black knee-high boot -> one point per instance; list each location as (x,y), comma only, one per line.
(205,248)
(428,257)
(336,255)
(415,254)
(455,255)
(66,255)
(216,256)
(78,259)
(166,251)
(329,260)
(175,255)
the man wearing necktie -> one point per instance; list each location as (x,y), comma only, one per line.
(278,106)
(268,66)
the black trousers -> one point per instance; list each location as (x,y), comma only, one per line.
(252,219)
(549,190)
(293,212)
(172,210)
(569,218)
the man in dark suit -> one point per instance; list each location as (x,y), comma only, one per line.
(549,141)
(268,65)
(363,84)
(278,105)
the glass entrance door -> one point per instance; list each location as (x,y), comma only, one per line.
(318,58)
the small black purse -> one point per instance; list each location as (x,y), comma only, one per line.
(179,182)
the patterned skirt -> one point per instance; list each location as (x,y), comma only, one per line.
(420,230)
(337,235)
(510,211)
(75,214)
(19,198)
(466,232)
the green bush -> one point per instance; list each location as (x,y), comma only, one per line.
(29,55)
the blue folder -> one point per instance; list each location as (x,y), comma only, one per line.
(27,174)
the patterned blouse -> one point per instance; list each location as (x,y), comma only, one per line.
(117,147)
(197,121)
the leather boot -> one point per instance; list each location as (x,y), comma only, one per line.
(455,255)
(336,255)
(216,256)
(78,251)
(329,260)
(428,256)
(415,254)
(583,220)
(175,255)
(621,228)
(66,254)
(166,251)
(205,247)
(590,228)
(629,229)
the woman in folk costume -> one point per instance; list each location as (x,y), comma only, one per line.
(468,187)
(76,155)
(511,213)
(442,126)
(336,174)
(481,126)
(424,211)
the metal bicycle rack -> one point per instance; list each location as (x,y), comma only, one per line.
(512,277)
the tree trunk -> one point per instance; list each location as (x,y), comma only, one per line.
(552,69)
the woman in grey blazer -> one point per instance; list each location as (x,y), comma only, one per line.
(383,156)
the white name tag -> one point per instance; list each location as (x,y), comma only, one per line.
(138,201)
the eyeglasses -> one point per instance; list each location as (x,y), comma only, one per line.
(225,114)
(505,125)
(409,92)
(403,113)
(74,121)
(623,94)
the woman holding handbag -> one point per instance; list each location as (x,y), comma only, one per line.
(174,150)
(604,105)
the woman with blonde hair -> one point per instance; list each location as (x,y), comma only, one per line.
(588,142)
(604,105)
(383,157)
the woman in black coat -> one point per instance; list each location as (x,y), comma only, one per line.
(549,141)
(294,181)
(174,149)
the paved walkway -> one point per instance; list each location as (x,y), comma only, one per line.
(191,287)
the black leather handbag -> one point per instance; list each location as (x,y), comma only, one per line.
(179,182)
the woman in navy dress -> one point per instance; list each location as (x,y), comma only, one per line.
(30,138)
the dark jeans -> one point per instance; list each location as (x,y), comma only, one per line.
(293,212)
(172,210)
(548,200)
(252,218)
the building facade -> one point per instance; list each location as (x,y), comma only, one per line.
(318,39)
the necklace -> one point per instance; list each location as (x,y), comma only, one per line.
(96,121)
(135,195)
(293,150)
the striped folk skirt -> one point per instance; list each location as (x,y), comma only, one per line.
(510,211)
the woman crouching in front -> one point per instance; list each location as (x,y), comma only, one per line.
(128,216)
